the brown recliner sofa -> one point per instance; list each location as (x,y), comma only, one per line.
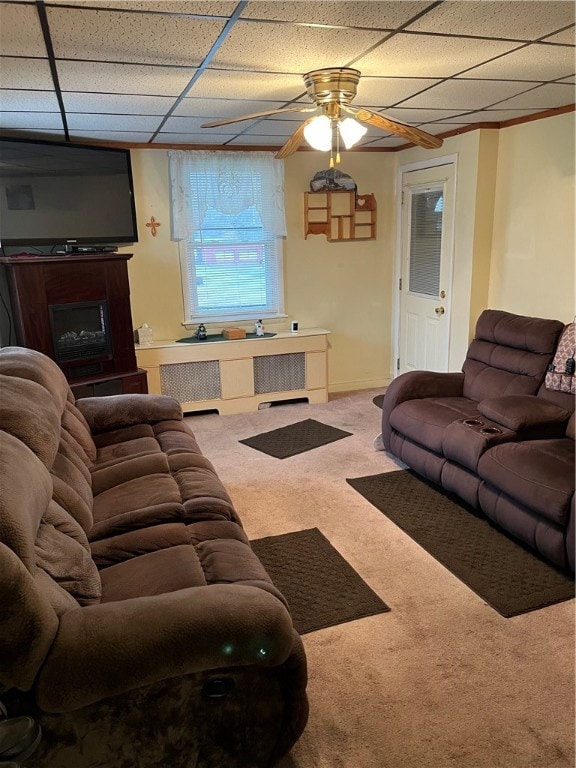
(136,623)
(493,434)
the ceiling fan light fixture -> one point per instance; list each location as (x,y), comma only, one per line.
(318,133)
(351,131)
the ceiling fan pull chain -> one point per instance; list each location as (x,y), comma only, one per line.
(337,147)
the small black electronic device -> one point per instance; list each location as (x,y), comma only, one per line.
(570,366)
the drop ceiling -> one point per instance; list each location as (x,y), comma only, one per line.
(141,72)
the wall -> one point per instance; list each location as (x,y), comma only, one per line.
(533,240)
(343,287)
(514,245)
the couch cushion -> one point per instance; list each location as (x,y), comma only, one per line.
(424,421)
(537,473)
(29,412)
(509,354)
(74,423)
(68,563)
(124,546)
(523,412)
(155,573)
(37,367)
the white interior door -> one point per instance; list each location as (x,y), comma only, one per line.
(426,268)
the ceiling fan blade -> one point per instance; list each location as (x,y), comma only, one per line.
(414,135)
(216,123)
(293,142)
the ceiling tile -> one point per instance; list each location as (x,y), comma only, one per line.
(533,62)
(264,141)
(489,116)
(381,15)
(202,7)
(113,103)
(256,46)
(25,73)
(417,116)
(410,55)
(272,127)
(134,137)
(518,20)
(223,108)
(28,101)
(389,141)
(383,91)
(194,125)
(545,97)
(465,94)
(33,120)
(20,31)
(132,37)
(112,122)
(123,78)
(568,37)
(189,138)
(221,85)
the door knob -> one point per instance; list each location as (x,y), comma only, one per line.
(439,310)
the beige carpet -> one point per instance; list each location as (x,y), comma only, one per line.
(442,680)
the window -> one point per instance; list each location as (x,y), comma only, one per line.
(228,214)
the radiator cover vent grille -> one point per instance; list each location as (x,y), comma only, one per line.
(189,382)
(279,373)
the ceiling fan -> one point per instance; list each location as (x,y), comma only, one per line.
(332,90)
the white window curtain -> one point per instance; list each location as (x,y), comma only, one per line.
(228,216)
(225,181)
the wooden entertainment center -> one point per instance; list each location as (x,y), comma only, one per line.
(75,308)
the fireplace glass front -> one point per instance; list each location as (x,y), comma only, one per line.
(80,331)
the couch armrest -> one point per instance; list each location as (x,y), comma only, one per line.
(523,412)
(117,411)
(416,385)
(106,649)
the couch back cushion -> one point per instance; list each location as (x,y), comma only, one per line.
(32,365)
(509,354)
(63,552)
(28,412)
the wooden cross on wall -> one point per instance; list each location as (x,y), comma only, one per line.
(153,226)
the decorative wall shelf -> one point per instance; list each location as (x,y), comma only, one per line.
(340,215)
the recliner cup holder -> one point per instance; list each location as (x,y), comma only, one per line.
(491,431)
(473,423)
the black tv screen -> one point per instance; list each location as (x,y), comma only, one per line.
(65,194)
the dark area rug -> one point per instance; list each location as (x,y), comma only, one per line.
(295,438)
(501,571)
(321,587)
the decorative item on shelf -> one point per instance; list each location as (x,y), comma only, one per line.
(153,226)
(144,334)
(259,328)
(201,333)
(332,179)
(234,333)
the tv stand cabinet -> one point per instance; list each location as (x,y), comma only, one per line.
(40,284)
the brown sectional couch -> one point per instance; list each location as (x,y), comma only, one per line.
(494,434)
(136,623)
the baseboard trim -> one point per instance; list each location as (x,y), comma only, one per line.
(350,386)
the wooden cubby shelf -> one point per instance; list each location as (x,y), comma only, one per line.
(340,215)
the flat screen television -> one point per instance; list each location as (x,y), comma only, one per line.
(65,195)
